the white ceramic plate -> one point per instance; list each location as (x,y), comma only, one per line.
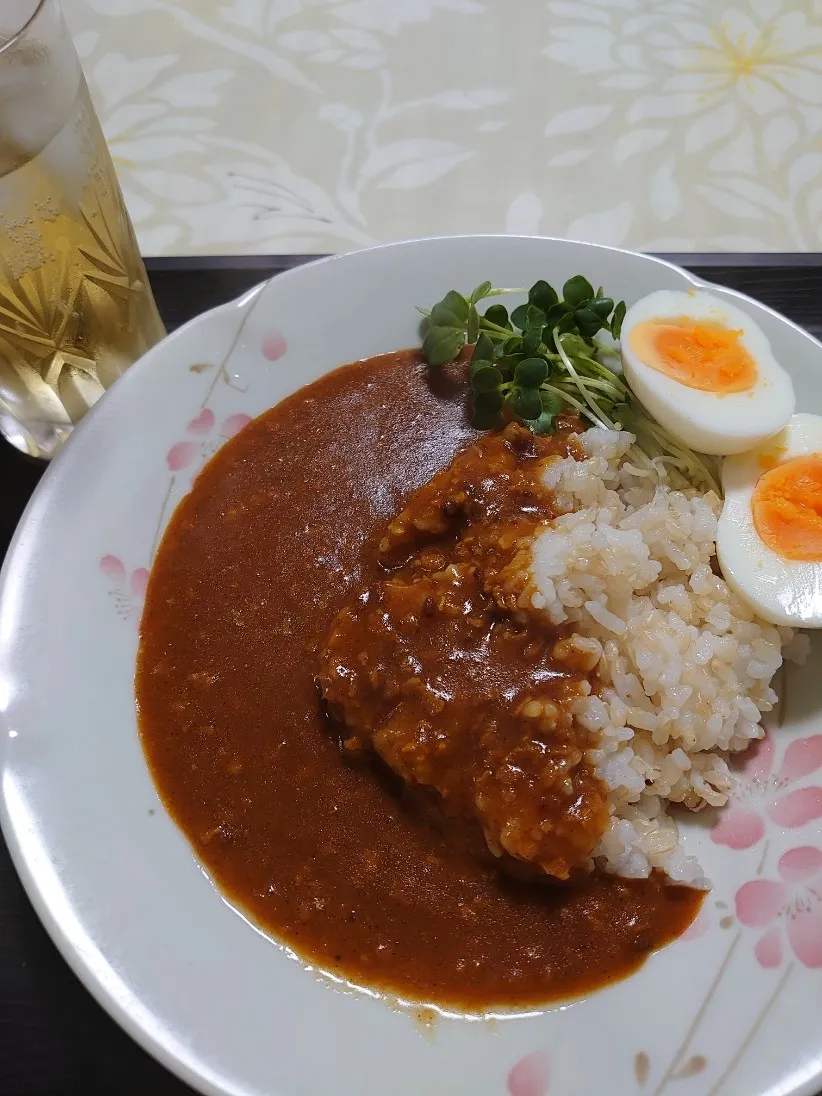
(733,1009)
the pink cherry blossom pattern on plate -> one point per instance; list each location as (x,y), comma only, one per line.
(209,439)
(273,346)
(763,794)
(127,591)
(531,1076)
(790,905)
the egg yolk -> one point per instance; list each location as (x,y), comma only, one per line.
(701,355)
(787,508)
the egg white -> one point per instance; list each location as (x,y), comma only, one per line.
(782,591)
(705,421)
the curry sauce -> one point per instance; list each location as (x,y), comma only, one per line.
(320,845)
(468,699)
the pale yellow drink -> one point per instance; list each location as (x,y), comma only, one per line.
(75,305)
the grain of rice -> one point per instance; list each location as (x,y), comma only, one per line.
(685,667)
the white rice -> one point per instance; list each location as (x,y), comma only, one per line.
(685,666)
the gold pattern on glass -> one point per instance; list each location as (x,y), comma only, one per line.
(75,305)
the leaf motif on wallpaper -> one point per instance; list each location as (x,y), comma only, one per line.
(390,18)
(731,205)
(340,116)
(129,116)
(755,192)
(578,119)
(805,170)
(86,42)
(475,99)
(627,81)
(422,172)
(639,24)
(194,89)
(251,47)
(117,7)
(150,148)
(586,48)
(176,186)
(412,162)
(260,15)
(322,48)
(369,52)
(179,124)
(665,192)
(738,155)
(245,13)
(812,118)
(277,11)
(118,77)
(669,106)
(266,203)
(305,41)
(710,127)
(635,141)
(608,226)
(524,215)
(571,157)
(358,39)
(766,9)
(746,199)
(779,135)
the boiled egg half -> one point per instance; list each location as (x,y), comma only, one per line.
(705,371)
(769,540)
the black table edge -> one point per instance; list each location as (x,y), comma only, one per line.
(688,259)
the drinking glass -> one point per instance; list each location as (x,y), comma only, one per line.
(75,304)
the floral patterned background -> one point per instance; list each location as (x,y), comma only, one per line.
(321,125)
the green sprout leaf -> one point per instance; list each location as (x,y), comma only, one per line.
(447,329)
(534,317)
(525,402)
(484,349)
(543,424)
(442,344)
(531,372)
(473,325)
(602,306)
(498,314)
(588,322)
(552,404)
(489,401)
(555,314)
(485,420)
(575,346)
(543,360)
(507,364)
(617,318)
(451,311)
(486,379)
(543,295)
(577,290)
(519,317)
(487,406)
(482,291)
(532,340)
